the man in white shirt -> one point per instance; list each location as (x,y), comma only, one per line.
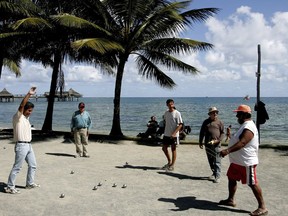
(173,124)
(243,155)
(22,135)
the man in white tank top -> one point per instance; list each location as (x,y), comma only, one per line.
(243,155)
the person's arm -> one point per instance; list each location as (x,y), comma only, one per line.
(222,134)
(89,123)
(177,129)
(201,135)
(244,138)
(72,123)
(32,91)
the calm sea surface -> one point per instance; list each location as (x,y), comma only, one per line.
(136,112)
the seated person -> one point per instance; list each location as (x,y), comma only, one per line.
(185,130)
(228,133)
(161,127)
(151,129)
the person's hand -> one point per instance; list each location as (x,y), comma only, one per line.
(32,91)
(200,145)
(224,152)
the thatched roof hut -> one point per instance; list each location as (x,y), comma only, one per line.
(66,95)
(73,93)
(6,96)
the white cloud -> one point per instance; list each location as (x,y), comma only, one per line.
(82,73)
(230,67)
(236,40)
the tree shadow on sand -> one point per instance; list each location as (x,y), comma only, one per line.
(190,202)
(61,154)
(128,166)
(181,176)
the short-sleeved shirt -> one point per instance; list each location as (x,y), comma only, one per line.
(172,120)
(21,128)
(211,129)
(81,120)
(248,155)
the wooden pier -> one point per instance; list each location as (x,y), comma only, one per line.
(69,95)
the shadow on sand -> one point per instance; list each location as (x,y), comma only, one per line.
(172,174)
(61,154)
(181,176)
(185,203)
(137,167)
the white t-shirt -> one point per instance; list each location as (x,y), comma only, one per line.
(21,128)
(248,155)
(172,120)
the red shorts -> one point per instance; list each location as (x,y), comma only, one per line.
(247,175)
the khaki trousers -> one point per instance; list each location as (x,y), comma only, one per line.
(81,141)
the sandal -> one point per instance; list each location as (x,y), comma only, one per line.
(227,203)
(166,166)
(259,211)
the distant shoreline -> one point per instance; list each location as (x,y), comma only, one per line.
(39,136)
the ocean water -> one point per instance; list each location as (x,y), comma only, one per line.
(136,112)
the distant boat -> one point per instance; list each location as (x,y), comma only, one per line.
(247,97)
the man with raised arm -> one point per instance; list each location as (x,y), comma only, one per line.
(22,137)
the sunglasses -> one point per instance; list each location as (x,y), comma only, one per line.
(81,107)
(213,113)
(239,114)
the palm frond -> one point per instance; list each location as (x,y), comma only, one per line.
(12,34)
(13,66)
(100,45)
(150,71)
(31,23)
(164,21)
(170,62)
(177,45)
(72,21)
(16,9)
(198,15)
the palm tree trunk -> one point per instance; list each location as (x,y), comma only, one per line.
(116,127)
(47,126)
(1,65)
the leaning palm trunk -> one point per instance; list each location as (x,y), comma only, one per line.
(116,127)
(47,125)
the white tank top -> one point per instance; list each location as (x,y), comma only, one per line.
(248,155)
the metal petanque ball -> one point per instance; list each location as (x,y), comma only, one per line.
(62,195)
(124,186)
(4,147)
(95,188)
(99,184)
(72,172)
(114,185)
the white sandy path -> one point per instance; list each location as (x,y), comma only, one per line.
(150,191)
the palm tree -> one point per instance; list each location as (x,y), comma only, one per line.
(147,29)
(45,37)
(11,11)
(46,42)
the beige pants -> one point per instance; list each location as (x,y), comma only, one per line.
(81,141)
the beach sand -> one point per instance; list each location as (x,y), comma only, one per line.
(149,191)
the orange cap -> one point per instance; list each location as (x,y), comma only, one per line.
(243,108)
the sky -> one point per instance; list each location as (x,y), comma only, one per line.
(229,70)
